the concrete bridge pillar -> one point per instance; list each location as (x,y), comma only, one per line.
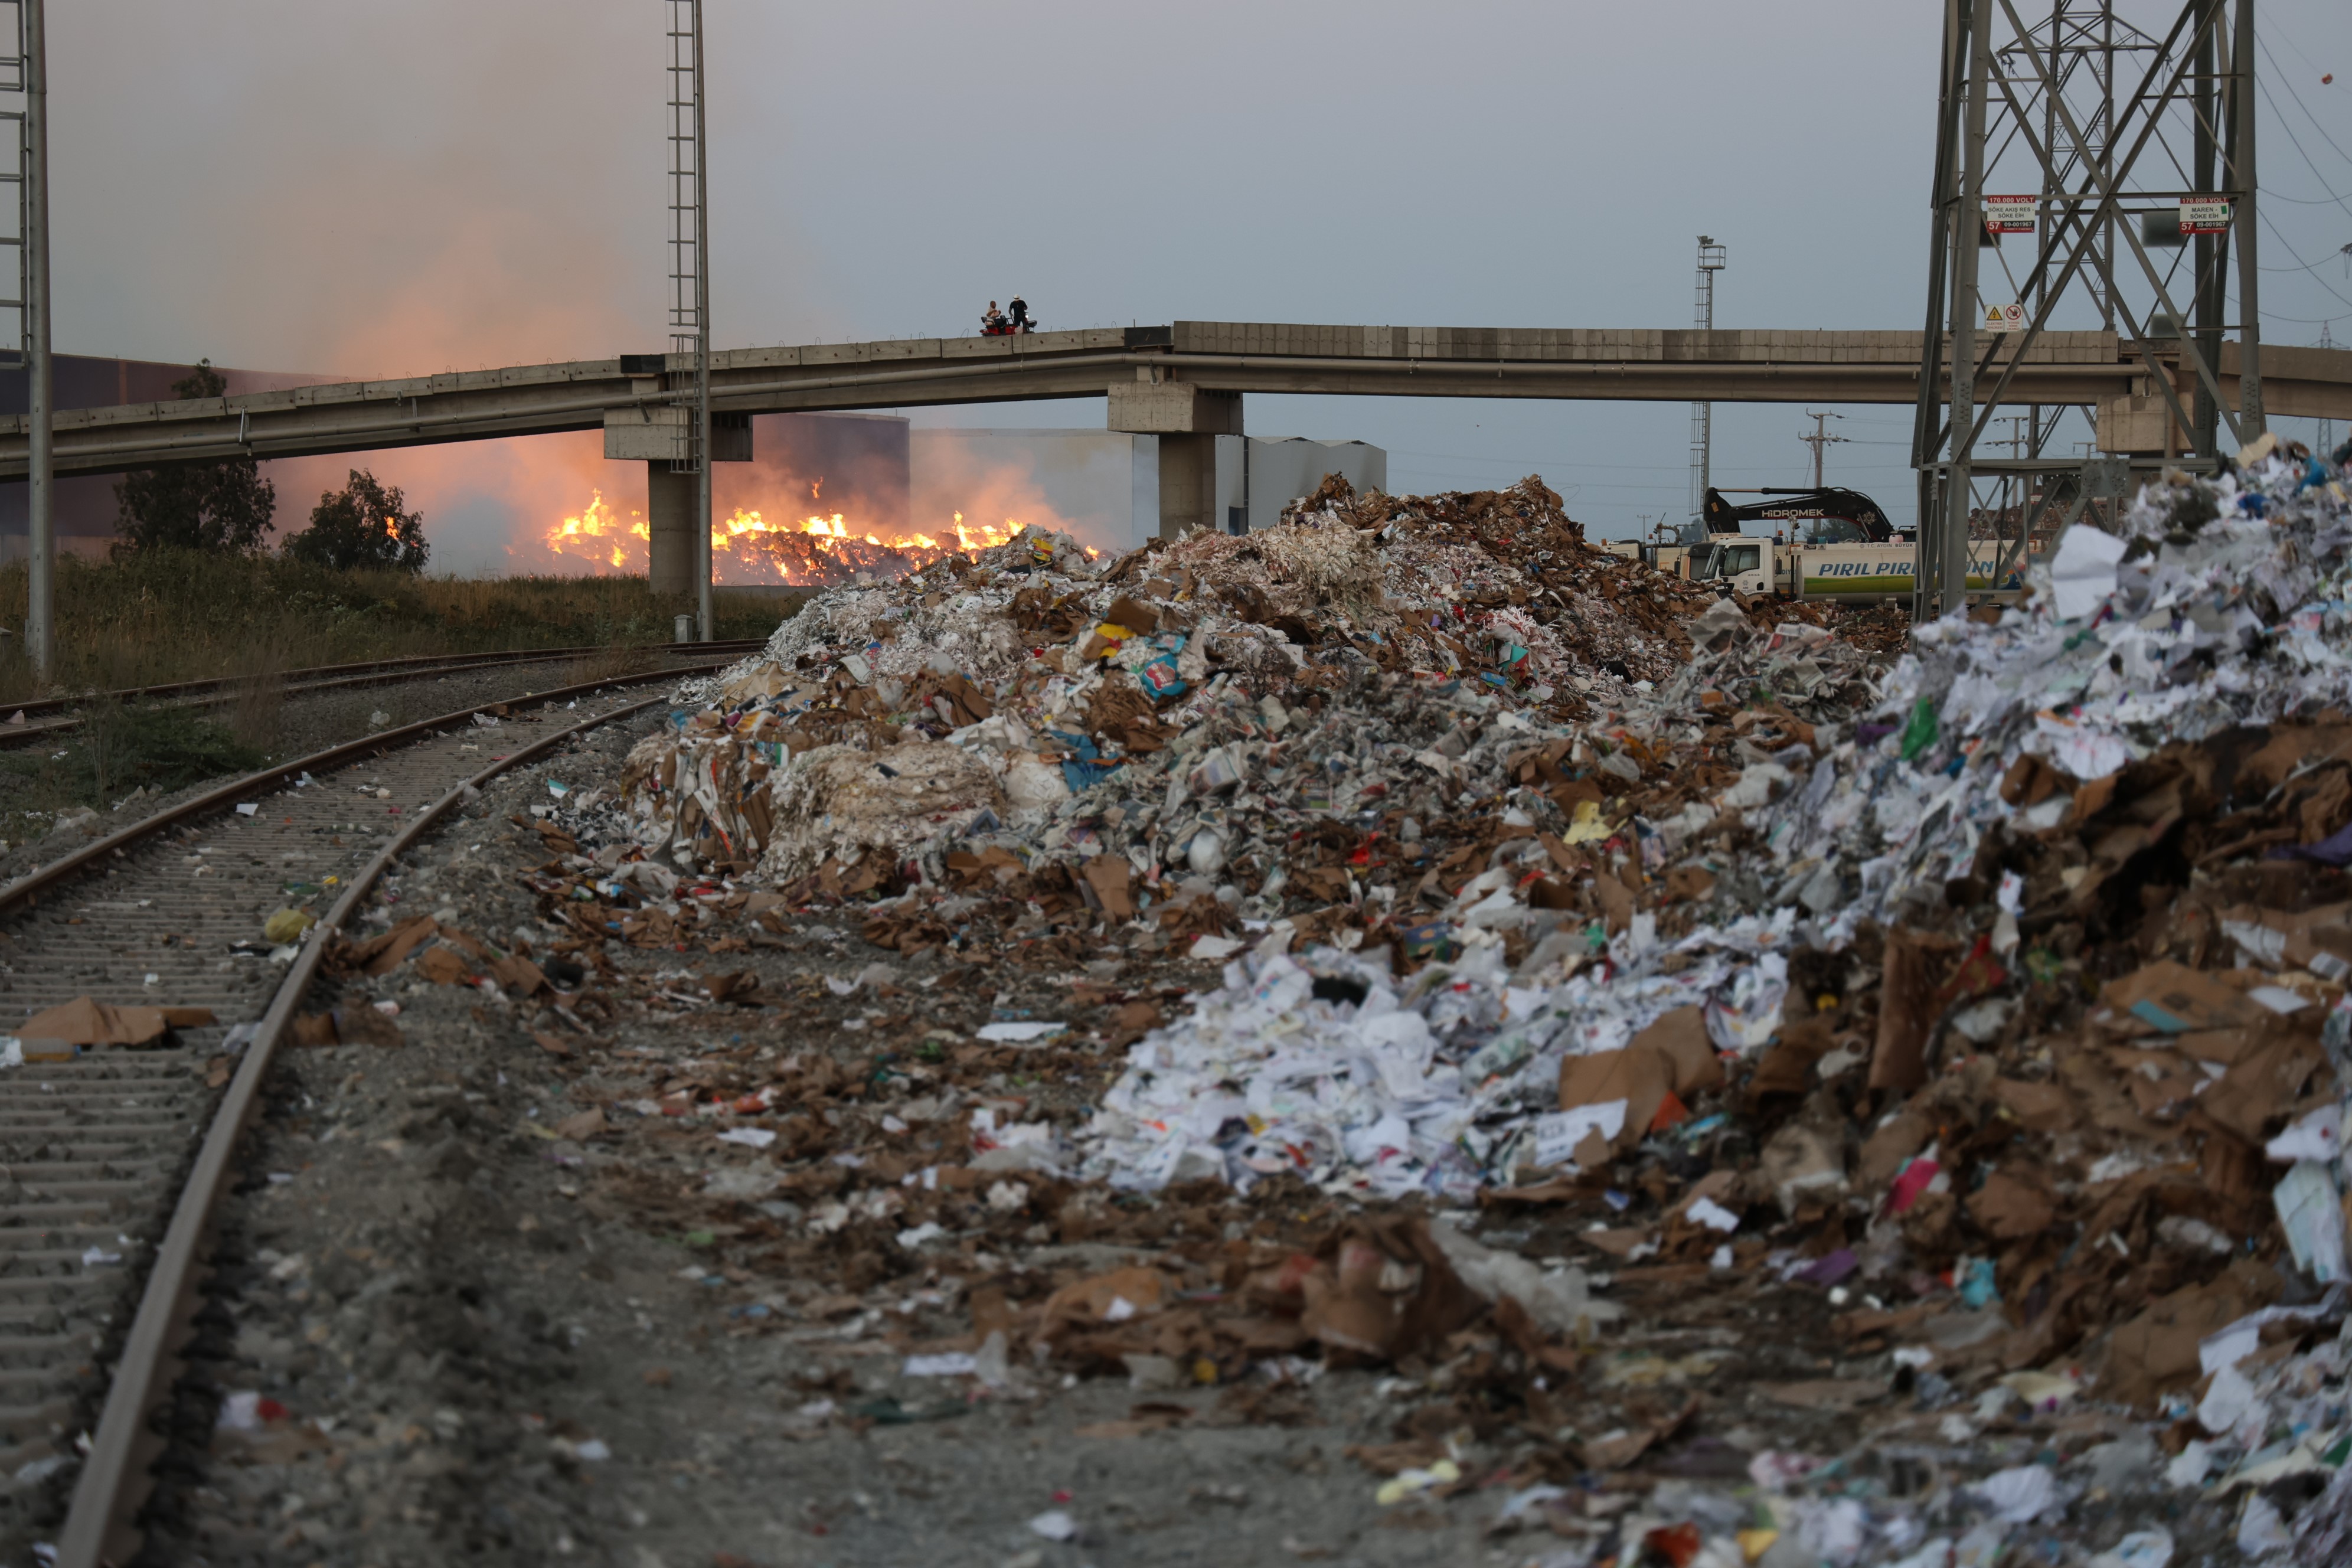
(1188,420)
(671,565)
(1188,484)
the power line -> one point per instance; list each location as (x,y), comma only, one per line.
(2277,114)
(2306,267)
(2288,83)
(2291,251)
(2299,320)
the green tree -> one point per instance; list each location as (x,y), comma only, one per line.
(224,505)
(362,525)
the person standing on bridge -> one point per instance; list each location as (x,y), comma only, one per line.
(1020,311)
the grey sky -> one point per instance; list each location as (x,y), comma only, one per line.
(338,186)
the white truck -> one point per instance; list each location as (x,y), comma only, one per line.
(1841,546)
(1855,573)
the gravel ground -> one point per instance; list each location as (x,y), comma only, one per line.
(456,1320)
(307,724)
(490,1346)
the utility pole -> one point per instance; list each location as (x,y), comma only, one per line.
(33,191)
(689,314)
(1820,439)
(2327,426)
(1710,262)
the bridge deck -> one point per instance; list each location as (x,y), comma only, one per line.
(1621,364)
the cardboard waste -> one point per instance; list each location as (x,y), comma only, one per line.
(64,1031)
(1984,995)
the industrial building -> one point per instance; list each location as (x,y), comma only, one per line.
(1104,485)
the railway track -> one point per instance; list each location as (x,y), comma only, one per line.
(53,716)
(110,1164)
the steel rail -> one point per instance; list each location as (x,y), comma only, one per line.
(47,705)
(33,732)
(101,1525)
(28,887)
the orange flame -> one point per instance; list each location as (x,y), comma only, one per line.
(598,534)
(987,536)
(746,547)
(826,550)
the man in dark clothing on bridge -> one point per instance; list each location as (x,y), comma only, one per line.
(1020,312)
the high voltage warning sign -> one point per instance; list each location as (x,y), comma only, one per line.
(2004,319)
(2010,215)
(2204,215)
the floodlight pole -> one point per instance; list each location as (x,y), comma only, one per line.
(40,620)
(1711,257)
(708,618)
(689,280)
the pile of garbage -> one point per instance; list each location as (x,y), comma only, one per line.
(1987,997)
(1131,708)
(2005,981)
(1514,560)
(2016,1001)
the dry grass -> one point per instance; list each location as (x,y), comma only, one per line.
(612,662)
(186,617)
(260,699)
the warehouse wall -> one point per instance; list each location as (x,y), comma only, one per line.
(1283,468)
(1103,486)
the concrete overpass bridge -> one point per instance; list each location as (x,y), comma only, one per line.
(1184,383)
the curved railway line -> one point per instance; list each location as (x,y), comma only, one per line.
(110,1164)
(54,715)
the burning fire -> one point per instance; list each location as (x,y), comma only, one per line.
(598,534)
(818,551)
(822,551)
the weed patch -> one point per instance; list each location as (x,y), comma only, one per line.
(163,616)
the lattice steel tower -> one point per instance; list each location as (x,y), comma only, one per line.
(2123,141)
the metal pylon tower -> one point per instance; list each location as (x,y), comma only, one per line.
(689,272)
(2128,152)
(1702,432)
